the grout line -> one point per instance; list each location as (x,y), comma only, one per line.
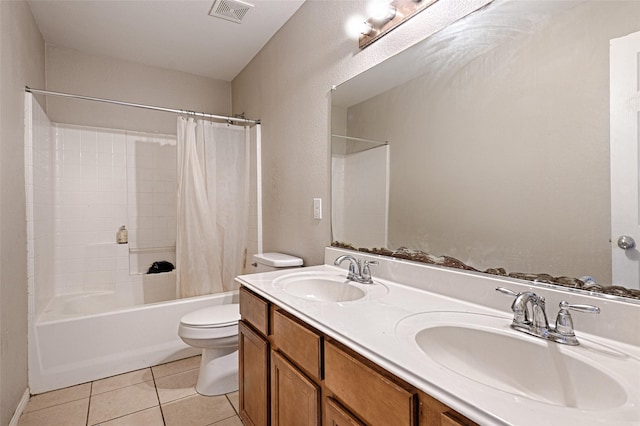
(153,376)
(89,404)
(222,420)
(232,406)
(125,415)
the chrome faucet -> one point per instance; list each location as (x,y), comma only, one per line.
(529,316)
(357,272)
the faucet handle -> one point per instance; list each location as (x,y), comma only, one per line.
(564,322)
(507,292)
(366,271)
(588,309)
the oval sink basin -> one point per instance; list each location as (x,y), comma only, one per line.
(326,287)
(324,290)
(484,349)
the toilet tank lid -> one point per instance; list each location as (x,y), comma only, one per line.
(214,316)
(277,260)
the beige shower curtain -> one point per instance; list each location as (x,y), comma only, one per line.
(212,201)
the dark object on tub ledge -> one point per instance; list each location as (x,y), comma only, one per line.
(161,266)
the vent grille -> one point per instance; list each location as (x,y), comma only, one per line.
(230,10)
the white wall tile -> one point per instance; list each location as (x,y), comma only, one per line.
(105,179)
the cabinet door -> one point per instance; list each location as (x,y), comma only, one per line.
(295,399)
(253,354)
(336,415)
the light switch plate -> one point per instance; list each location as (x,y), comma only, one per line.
(317,208)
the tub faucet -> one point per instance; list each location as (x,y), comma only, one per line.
(357,272)
(529,316)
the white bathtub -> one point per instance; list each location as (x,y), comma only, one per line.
(89,336)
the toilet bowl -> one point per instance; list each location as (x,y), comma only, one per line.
(215,331)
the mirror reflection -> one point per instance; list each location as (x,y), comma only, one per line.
(499,131)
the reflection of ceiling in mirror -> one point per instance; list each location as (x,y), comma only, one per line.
(458,44)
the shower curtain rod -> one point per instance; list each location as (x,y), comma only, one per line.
(155,108)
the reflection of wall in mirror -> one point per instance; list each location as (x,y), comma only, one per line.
(504,161)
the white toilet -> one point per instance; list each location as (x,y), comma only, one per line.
(215,330)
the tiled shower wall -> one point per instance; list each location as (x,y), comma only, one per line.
(90,195)
(106,178)
(39,184)
(151,188)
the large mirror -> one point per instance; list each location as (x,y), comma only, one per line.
(495,143)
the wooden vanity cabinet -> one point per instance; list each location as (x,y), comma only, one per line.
(292,375)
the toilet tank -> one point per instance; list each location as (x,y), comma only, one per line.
(267,262)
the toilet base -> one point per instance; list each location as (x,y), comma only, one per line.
(218,371)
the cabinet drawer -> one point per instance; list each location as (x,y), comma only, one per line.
(336,415)
(302,345)
(450,419)
(373,397)
(435,413)
(254,310)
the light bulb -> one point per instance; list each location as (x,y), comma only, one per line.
(357,25)
(381,10)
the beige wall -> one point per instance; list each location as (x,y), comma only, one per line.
(21,63)
(288,85)
(75,72)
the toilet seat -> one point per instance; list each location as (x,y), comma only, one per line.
(213,317)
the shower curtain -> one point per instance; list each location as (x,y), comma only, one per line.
(212,201)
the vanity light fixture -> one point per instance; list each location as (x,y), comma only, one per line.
(385,16)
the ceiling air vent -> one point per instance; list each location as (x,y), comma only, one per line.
(231,10)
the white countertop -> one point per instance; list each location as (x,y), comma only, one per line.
(379,327)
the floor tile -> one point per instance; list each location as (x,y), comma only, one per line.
(197,410)
(49,399)
(231,421)
(149,417)
(176,366)
(123,401)
(72,413)
(234,399)
(177,386)
(121,381)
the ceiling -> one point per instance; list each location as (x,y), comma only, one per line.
(173,34)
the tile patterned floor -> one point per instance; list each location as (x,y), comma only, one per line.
(163,395)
